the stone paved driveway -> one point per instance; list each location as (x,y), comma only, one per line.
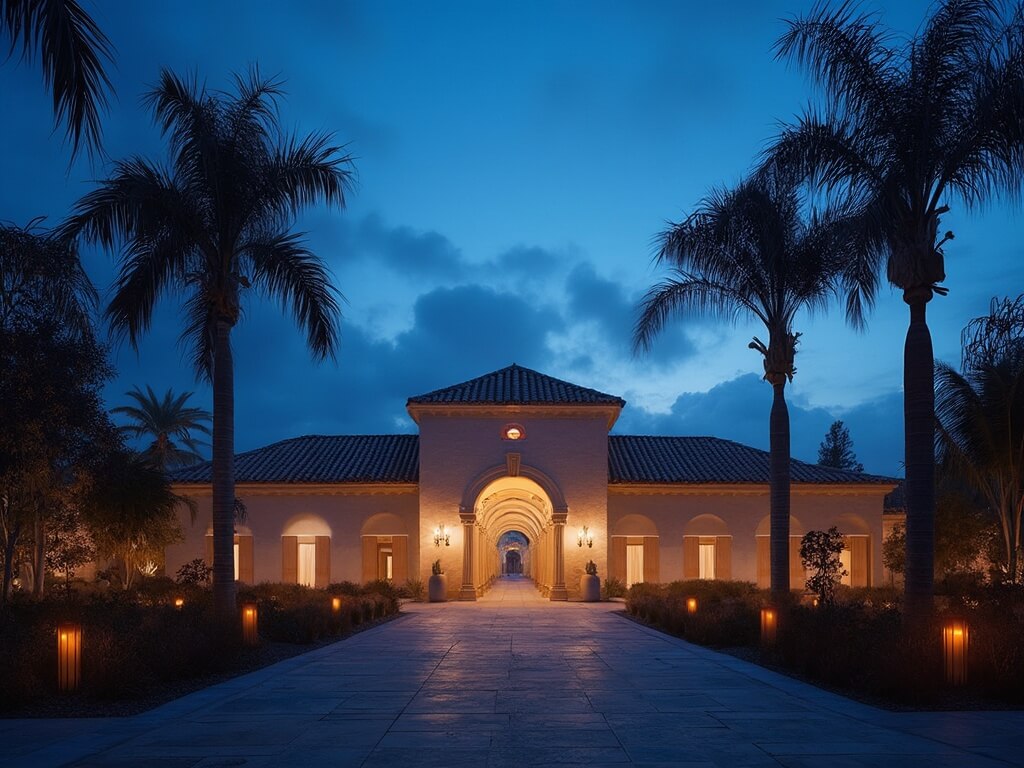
(515,681)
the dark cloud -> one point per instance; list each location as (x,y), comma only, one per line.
(739,409)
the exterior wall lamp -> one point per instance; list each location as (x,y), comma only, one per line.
(584,536)
(441,534)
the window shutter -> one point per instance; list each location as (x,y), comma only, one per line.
(400,562)
(369,558)
(723,557)
(323,561)
(797,576)
(290,559)
(652,570)
(859,569)
(764,562)
(691,557)
(245,559)
(618,566)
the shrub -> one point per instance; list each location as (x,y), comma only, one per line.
(614,588)
(820,553)
(194,572)
(414,589)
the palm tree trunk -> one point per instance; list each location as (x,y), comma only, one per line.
(919,421)
(223,460)
(778,482)
(39,554)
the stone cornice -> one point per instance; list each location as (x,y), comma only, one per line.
(556,411)
(202,490)
(747,489)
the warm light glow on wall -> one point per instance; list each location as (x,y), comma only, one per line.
(769,625)
(336,604)
(691,605)
(955,641)
(250,619)
(69,656)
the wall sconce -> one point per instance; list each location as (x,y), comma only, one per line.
(769,625)
(336,604)
(179,603)
(69,656)
(691,605)
(441,534)
(955,640)
(584,535)
(250,618)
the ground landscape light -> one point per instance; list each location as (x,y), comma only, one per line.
(769,625)
(69,656)
(250,619)
(691,605)
(179,603)
(955,644)
(336,604)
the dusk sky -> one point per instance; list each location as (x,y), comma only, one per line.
(514,162)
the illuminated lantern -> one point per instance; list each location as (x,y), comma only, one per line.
(955,639)
(250,616)
(336,604)
(69,656)
(769,625)
(179,603)
(691,605)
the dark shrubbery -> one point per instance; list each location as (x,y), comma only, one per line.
(860,644)
(135,641)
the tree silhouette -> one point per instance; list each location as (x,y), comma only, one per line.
(836,450)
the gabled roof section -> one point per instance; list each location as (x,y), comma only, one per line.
(323,459)
(655,460)
(516,385)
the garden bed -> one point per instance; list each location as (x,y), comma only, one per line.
(861,647)
(140,651)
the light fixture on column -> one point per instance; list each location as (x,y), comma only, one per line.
(441,534)
(585,537)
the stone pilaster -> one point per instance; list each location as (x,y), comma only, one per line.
(558,591)
(468,589)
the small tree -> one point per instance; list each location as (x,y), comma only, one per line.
(819,551)
(69,543)
(836,450)
(894,550)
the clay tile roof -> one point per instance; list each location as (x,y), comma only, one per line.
(516,385)
(644,459)
(323,459)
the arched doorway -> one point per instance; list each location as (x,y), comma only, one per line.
(505,504)
(514,554)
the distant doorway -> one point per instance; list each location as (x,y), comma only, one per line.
(513,563)
(514,554)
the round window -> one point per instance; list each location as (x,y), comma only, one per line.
(513,432)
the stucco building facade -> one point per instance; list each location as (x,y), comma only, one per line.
(517,470)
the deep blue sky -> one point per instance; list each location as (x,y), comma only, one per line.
(514,162)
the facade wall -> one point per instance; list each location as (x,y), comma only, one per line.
(571,450)
(274,514)
(632,511)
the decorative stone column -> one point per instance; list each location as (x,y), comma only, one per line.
(558,591)
(468,590)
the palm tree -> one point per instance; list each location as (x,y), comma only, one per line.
(169,422)
(750,252)
(980,415)
(72,50)
(907,125)
(215,224)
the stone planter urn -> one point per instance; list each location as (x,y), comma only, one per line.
(437,588)
(590,588)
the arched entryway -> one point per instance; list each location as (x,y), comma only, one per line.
(499,504)
(514,554)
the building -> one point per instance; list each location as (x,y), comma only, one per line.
(516,470)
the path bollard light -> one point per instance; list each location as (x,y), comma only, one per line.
(691,605)
(769,624)
(336,604)
(179,603)
(250,617)
(955,640)
(69,656)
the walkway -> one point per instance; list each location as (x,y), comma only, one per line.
(513,680)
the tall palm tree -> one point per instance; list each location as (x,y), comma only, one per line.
(72,50)
(908,125)
(215,224)
(169,422)
(751,253)
(980,415)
